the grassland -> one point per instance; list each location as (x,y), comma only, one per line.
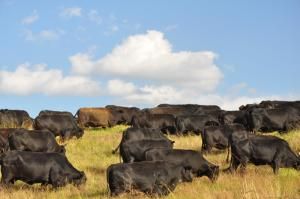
(92,154)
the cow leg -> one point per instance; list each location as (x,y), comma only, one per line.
(276,164)
(234,164)
(7,176)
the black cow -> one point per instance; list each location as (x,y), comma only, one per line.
(218,136)
(186,158)
(277,119)
(62,125)
(164,122)
(37,167)
(50,112)
(121,114)
(134,134)
(157,177)
(35,141)
(261,150)
(135,151)
(195,123)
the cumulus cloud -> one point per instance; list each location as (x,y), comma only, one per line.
(150,56)
(71,12)
(120,88)
(31,79)
(31,18)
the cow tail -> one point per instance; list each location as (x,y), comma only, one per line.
(107,178)
(118,147)
(203,140)
(228,151)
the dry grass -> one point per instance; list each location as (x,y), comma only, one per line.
(93,154)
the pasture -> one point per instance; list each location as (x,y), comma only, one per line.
(92,154)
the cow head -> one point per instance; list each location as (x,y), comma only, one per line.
(79,132)
(214,173)
(81,179)
(186,174)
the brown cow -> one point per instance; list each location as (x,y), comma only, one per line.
(93,117)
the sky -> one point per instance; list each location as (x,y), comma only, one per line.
(63,55)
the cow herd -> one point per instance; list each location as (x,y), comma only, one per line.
(30,152)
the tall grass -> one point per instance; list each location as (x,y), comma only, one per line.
(92,154)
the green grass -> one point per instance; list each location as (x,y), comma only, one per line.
(92,154)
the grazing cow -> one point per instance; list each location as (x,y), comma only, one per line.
(135,134)
(93,117)
(164,122)
(195,123)
(15,119)
(121,115)
(35,141)
(218,136)
(62,125)
(186,158)
(135,151)
(261,150)
(37,167)
(154,178)
(277,119)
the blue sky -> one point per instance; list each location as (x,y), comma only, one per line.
(63,55)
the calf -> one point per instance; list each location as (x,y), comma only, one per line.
(186,158)
(262,150)
(135,151)
(37,167)
(35,141)
(156,177)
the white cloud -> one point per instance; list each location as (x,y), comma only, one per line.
(120,88)
(71,12)
(31,18)
(150,57)
(31,79)
(94,16)
(43,35)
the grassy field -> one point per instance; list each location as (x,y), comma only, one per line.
(92,154)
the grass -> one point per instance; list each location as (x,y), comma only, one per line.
(92,154)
